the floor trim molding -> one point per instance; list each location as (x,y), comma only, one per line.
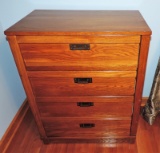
(144,100)
(13,127)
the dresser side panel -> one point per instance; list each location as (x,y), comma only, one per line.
(26,84)
(144,46)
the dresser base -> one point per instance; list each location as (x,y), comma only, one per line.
(130,139)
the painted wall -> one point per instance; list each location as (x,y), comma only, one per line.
(11,90)
(151,12)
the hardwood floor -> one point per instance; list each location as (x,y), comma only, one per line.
(27,140)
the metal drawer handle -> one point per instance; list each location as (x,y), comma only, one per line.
(85,104)
(79,46)
(83,80)
(87,125)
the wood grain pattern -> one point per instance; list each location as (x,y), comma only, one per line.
(110,65)
(98,109)
(116,64)
(96,51)
(14,127)
(60,56)
(79,39)
(140,82)
(96,99)
(96,74)
(65,22)
(27,141)
(70,127)
(49,87)
(105,83)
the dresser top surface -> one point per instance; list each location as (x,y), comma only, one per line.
(67,22)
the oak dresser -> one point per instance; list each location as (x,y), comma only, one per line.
(83,72)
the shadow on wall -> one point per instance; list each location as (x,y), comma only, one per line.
(10,81)
(11,91)
(150,11)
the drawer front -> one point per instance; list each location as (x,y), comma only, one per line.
(82,86)
(86,107)
(80,39)
(78,127)
(80,56)
(102,106)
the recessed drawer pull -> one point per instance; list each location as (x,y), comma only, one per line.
(83,80)
(79,46)
(85,104)
(87,125)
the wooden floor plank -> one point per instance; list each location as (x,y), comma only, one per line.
(146,139)
(27,140)
(82,148)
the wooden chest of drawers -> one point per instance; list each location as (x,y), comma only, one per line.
(83,72)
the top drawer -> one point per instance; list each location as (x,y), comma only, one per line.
(80,53)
